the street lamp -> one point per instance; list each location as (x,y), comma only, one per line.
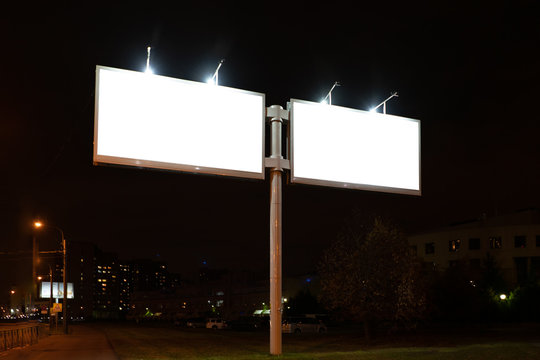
(37,225)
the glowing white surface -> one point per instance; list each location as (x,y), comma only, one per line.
(58,290)
(156,121)
(342,147)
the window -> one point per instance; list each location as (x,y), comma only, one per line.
(474,244)
(520,241)
(495,242)
(521,268)
(430,248)
(453,245)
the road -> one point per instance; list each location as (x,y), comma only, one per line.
(83,343)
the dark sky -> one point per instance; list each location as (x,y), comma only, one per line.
(468,70)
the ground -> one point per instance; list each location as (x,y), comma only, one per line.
(128,341)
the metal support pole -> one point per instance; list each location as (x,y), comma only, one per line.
(64,301)
(35,254)
(275,236)
(50,300)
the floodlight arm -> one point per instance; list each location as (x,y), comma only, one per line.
(216,73)
(329,95)
(394,94)
(148,58)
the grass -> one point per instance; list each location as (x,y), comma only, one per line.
(153,342)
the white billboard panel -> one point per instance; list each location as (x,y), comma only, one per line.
(342,147)
(58,290)
(146,120)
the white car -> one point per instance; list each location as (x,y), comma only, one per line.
(303,324)
(215,323)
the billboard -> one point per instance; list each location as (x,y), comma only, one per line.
(58,290)
(153,121)
(347,148)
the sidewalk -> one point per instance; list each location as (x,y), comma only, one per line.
(83,343)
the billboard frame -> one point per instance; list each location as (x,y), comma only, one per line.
(186,168)
(346,185)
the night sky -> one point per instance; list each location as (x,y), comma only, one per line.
(468,70)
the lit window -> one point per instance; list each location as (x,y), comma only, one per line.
(495,242)
(453,245)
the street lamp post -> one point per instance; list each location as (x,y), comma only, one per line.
(38,224)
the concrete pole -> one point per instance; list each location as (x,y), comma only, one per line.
(275,237)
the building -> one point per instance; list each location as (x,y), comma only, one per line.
(513,241)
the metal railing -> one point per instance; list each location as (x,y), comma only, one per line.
(19,336)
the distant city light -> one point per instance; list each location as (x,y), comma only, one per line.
(38,224)
(502,297)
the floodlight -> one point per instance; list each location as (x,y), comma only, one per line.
(329,95)
(148,69)
(216,74)
(394,94)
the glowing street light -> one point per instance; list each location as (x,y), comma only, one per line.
(374,110)
(329,95)
(502,297)
(39,224)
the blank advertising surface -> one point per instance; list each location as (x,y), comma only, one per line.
(153,121)
(347,148)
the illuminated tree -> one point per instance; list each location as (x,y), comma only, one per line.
(370,274)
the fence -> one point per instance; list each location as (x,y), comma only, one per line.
(19,336)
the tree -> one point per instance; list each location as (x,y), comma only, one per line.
(370,274)
(303,303)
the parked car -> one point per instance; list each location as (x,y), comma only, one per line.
(303,324)
(196,323)
(215,323)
